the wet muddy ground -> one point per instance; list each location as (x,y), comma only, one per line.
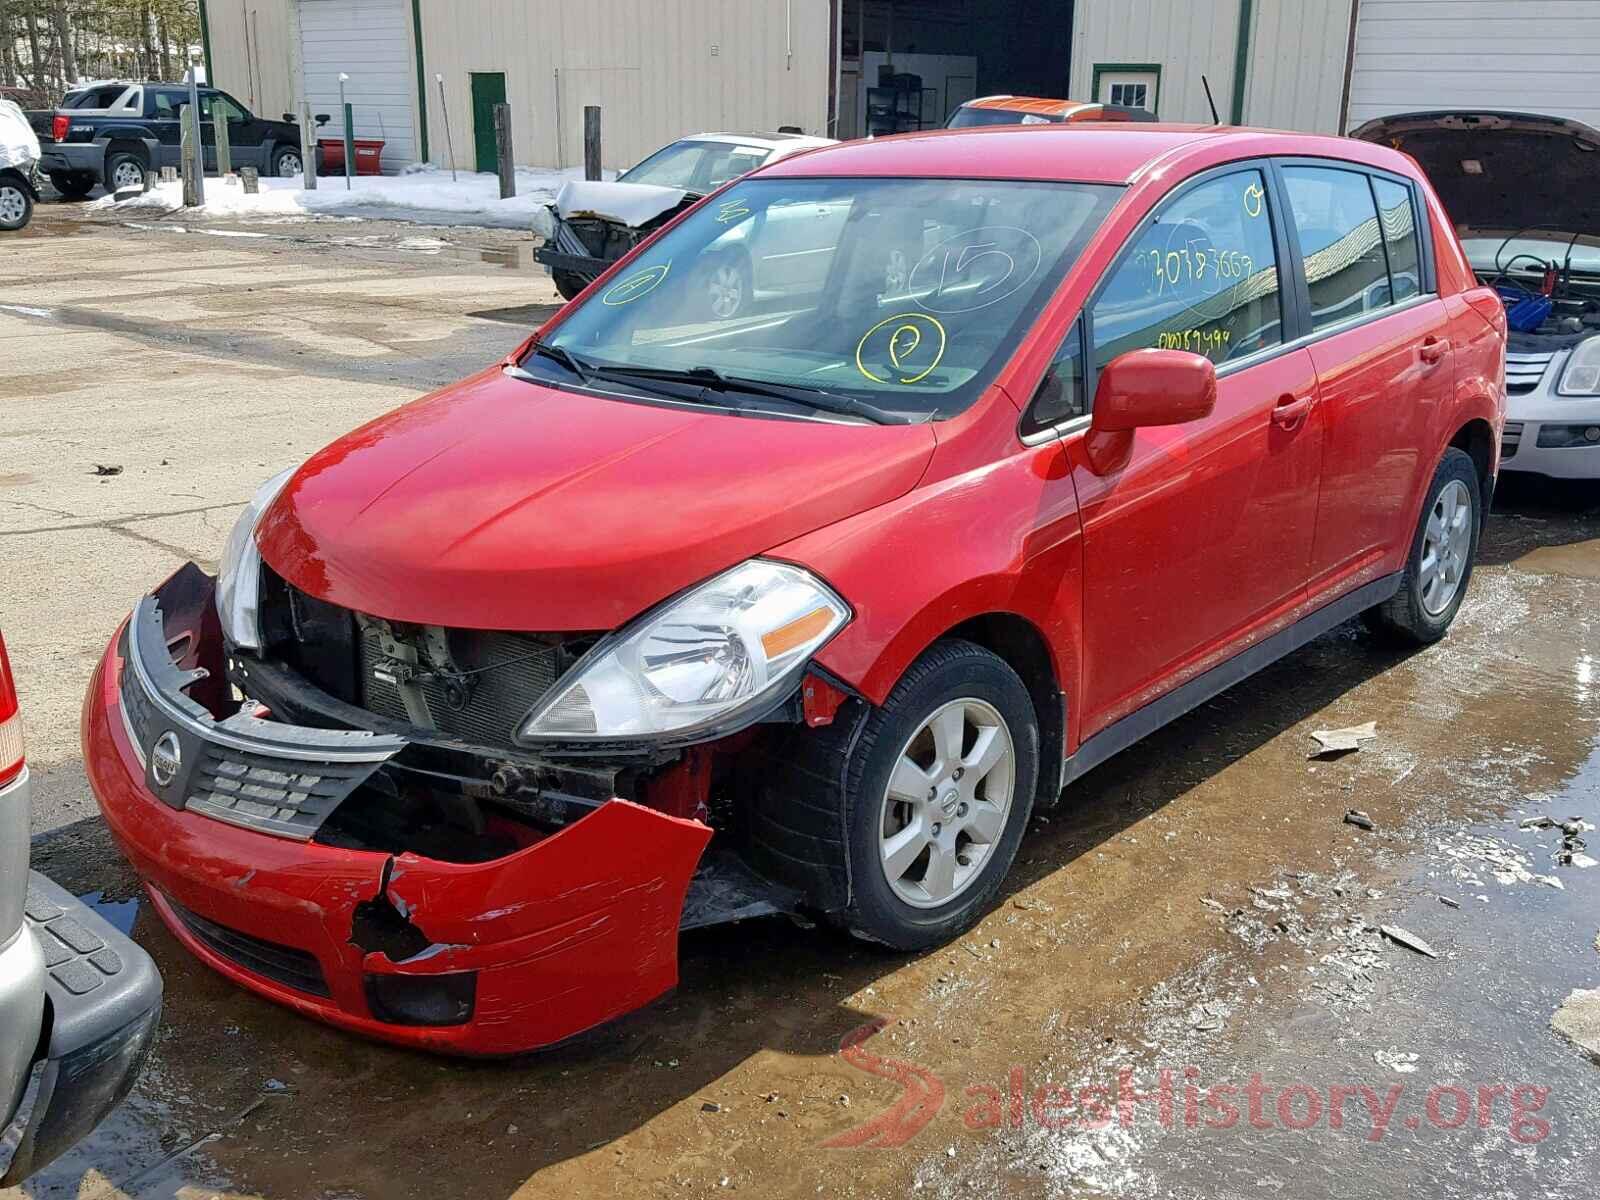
(1198,906)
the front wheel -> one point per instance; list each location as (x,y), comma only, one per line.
(287,163)
(938,794)
(1440,562)
(567,284)
(726,286)
(16,204)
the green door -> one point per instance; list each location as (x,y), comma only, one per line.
(488,89)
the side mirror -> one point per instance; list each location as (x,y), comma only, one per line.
(1144,388)
(288,118)
(323,118)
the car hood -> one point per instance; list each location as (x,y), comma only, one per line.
(631,204)
(1500,170)
(500,504)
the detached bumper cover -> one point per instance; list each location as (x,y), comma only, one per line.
(560,936)
(105,1003)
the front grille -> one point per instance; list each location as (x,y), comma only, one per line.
(1511,439)
(505,674)
(282,964)
(1524,370)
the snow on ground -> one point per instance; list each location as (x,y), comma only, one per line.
(426,195)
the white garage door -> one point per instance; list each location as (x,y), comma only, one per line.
(1528,56)
(370,41)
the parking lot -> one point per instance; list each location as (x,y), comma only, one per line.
(1198,904)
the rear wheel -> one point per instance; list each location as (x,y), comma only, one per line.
(73,185)
(125,169)
(938,794)
(16,205)
(1440,563)
(568,284)
(725,286)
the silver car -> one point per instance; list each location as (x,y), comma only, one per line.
(79,1001)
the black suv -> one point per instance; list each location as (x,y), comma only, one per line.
(116,134)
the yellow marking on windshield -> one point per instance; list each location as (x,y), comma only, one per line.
(904,341)
(638,284)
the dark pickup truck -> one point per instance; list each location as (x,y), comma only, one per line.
(115,134)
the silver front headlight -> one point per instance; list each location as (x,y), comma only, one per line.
(1581,375)
(239,573)
(720,651)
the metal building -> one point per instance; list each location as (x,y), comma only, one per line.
(663,68)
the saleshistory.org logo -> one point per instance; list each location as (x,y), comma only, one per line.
(1177,1098)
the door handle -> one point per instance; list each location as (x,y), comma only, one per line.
(1433,349)
(1290,410)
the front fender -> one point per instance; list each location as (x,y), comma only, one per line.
(1001,539)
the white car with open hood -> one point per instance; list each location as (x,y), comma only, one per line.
(1521,189)
(596,222)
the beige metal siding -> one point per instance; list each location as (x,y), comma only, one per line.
(250,52)
(1186,39)
(1295,75)
(1529,56)
(658,71)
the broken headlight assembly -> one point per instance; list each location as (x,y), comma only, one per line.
(1581,375)
(701,661)
(239,574)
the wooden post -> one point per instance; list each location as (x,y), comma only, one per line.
(219,123)
(449,142)
(308,147)
(591,141)
(189,160)
(194,183)
(502,150)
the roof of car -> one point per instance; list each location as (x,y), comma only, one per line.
(1088,152)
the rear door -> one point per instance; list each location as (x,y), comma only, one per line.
(1380,343)
(247,133)
(1201,543)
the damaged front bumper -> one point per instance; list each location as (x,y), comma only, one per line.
(220,819)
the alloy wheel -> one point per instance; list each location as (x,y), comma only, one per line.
(1446,542)
(13,204)
(128,174)
(289,166)
(726,289)
(947,802)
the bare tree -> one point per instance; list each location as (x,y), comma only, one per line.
(64,47)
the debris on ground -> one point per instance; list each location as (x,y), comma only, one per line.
(1578,1020)
(1405,1064)
(1404,937)
(108,468)
(711,1106)
(1449,903)
(1335,742)
(1507,863)
(1573,848)
(1359,819)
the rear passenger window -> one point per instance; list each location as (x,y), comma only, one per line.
(1202,276)
(1340,244)
(1400,236)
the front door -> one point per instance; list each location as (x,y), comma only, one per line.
(1201,543)
(1383,365)
(488,89)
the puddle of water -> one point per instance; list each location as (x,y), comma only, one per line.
(121,913)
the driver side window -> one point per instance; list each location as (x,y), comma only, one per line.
(1201,276)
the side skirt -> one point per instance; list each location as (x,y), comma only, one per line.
(1168,708)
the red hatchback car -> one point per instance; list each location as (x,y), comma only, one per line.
(1034,439)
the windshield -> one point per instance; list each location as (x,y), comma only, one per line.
(907,294)
(696,166)
(1525,252)
(971,118)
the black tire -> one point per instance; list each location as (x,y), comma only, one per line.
(568,284)
(73,185)
(286,162)
(951,670)
(724,286)
(130,166)
(1407,617)
(16,204)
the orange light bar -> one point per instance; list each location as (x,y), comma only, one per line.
(796,633)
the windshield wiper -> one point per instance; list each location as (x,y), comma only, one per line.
(571,362)
(710,377)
